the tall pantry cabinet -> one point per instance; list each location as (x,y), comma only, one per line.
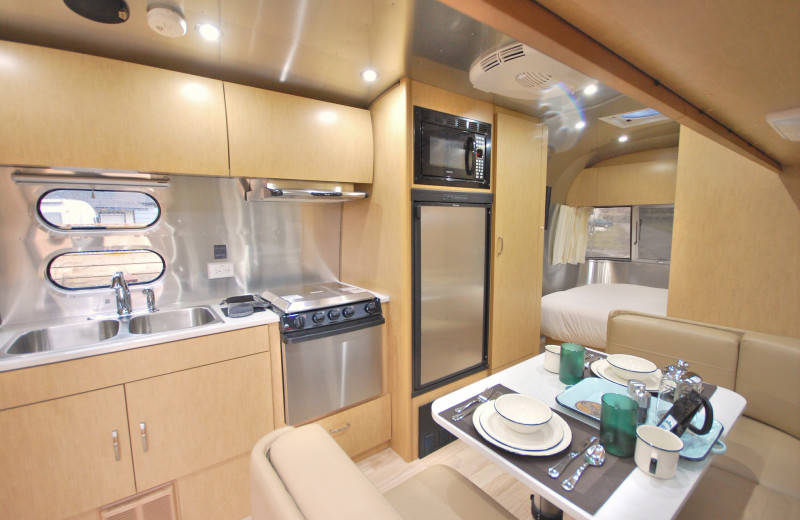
(376,238)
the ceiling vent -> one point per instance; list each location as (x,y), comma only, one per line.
(645,116)
(520,72)
(786,123)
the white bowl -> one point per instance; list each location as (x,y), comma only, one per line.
(522,413)
(552,358)
(630,367)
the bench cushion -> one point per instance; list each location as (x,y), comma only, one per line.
(723,495)
(712,352)
(441,493)
(322,480)
(769,378)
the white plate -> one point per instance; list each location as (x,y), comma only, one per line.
(561,446)
(603,368)
(543,439)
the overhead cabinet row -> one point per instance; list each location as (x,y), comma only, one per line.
(70,110)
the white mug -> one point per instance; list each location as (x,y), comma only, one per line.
(552,358)
(657,451)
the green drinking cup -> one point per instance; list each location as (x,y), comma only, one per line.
(618,424)
(570,370)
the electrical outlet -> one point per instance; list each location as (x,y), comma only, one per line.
(220,270)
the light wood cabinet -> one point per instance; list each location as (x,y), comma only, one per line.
(361,427)
(189,420)
(200,413)
(520,148)
(281,136)
(74,110)
(58,457)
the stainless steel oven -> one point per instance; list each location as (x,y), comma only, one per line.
(330,346)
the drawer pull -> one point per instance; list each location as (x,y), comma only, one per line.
(143,430)
(339,430)
(115,442)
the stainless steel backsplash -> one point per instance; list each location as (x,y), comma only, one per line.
(270,244)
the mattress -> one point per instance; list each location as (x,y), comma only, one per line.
(580,315)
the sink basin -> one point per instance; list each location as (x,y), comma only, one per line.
(167,321)
(64,336)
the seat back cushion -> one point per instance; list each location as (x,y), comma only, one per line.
(711,351)
(769,378)
(269,499)
(322,480)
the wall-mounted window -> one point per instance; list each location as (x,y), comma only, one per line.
(637,233)
(82,209)
(94,269)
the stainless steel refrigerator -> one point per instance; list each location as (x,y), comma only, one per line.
(452,237)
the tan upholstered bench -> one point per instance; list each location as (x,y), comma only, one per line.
(759,476)
(302,474)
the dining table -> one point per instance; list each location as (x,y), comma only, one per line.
(634,494)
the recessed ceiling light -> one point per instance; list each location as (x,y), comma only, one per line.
(369,75)
(622,138)
(591,89)
(580,124)
(208,31)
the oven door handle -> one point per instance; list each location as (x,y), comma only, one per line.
(332,330)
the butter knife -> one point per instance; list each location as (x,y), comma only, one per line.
(556,470)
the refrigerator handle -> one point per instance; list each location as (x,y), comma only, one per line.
(499,246)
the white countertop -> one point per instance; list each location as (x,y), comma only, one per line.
(130,341)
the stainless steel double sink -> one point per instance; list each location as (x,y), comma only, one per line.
(96,331)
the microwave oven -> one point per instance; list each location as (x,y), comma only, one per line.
(451,150)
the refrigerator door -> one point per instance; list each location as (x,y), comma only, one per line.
(451,292)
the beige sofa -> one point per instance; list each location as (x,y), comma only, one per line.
(759,476)
(302,474)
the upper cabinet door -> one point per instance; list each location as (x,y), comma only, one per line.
(289,137)
(73,110)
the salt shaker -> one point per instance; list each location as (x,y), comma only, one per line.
(637,390)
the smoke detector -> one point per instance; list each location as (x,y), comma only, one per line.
(521,72)
(166,21)
(786,123)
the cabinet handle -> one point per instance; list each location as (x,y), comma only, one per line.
(115,442)
(143,430)
(339,430)
(500,246)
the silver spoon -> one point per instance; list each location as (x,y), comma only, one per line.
(595,456)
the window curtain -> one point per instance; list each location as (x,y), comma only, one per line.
(571,235)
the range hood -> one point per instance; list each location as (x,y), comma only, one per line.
(284,190)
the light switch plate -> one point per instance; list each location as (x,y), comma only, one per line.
(220,270)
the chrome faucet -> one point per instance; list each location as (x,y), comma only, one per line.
(151,300)
(123,294)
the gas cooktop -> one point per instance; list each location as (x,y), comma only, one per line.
(299,298)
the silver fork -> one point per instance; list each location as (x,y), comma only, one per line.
(480,398)
(485,396)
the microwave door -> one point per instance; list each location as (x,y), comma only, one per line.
(445,152)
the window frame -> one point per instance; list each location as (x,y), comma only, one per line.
(58,254)
(635,235)
(98,230)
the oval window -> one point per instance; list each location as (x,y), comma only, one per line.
(94,269)
(68,209)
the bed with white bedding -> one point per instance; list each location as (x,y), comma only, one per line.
(580,315)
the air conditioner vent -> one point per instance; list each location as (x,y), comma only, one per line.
(521,72)
(156,504)
(512,52)
(490,62)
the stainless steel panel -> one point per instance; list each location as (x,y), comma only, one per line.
(270,245)
(323,375)
(452,279)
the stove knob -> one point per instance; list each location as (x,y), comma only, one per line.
(298,322)
(348,312)
(371,307)
(333,314)
(318,316)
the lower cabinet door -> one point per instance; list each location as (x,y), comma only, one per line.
(62,457)
(189,420)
